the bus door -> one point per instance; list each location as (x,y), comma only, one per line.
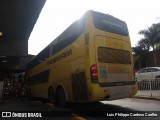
(113,64)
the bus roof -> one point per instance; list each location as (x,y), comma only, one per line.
(66,37)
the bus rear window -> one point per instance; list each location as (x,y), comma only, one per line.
(109,24)
(110,55)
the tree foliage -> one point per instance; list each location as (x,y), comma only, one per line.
(140,56)
(151,37)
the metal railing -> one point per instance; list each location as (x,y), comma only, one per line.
(149,88)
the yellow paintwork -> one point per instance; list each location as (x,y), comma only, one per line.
(84,54)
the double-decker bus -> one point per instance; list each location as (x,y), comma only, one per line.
(90,61)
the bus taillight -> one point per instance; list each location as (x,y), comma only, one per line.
(94,73)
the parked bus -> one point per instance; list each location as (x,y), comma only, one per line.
(90,61)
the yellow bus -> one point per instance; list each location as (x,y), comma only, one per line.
(90,61)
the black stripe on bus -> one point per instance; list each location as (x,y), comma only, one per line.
(112,84)
(38,78)
(70,35)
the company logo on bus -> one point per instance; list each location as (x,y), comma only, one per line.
(61,56)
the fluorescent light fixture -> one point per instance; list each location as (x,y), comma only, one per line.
(5,61)
(3,56)
(1,34)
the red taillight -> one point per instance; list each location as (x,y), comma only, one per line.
(94,67)
(94,73)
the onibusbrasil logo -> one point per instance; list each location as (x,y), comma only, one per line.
(19,114)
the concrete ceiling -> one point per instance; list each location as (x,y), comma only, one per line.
(17,20)
(18,17)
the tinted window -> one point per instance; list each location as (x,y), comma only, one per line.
(110,55)
(39,78)
(154,70)
(66,38)
(143,71)
(148,70)
(43,55)
(109,23)
(69,35)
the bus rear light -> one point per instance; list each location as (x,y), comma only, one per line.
(94,67)
(94,73)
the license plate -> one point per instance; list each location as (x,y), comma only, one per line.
(119,83)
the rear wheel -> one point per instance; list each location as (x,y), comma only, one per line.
(136,79)
(61,97)
(29,94)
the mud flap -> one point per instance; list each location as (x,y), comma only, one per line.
(79,87)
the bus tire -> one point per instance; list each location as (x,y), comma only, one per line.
(29,94)
(51,95)
(61,97)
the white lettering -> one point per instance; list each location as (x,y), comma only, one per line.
(151,115)
(19,114)
(122,115)
(111,23)
(110,114)
(34,115)
(136,114)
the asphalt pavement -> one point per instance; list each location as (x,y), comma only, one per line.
(24,107)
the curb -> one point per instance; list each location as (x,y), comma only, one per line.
(149,98)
